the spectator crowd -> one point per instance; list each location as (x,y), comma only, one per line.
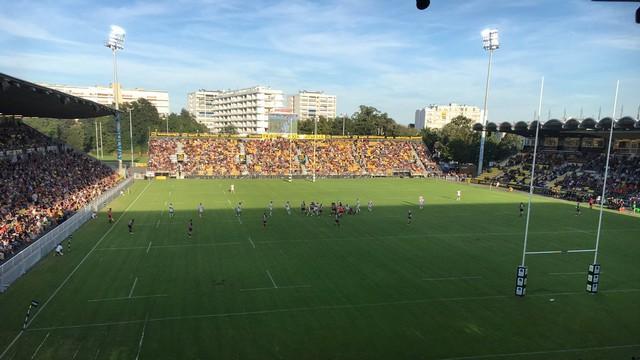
(576,174)
(42,185)
(279,157)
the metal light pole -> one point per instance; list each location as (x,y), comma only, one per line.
(97,147)
(344,118)
(490,42)
(290,148)
(131,137)
(315,135)
(115,43)
(101,145)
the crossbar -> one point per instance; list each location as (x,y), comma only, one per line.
(560,251)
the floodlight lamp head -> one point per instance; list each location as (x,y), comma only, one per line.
(116,38)
(422,4)
(490,39)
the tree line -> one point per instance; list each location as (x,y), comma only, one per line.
(81,134)
(456,141)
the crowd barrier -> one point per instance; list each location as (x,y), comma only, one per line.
(19,264)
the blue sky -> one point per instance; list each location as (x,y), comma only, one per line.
(383,53)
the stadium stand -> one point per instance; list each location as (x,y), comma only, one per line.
(221,156)
(575,174)
(42,182)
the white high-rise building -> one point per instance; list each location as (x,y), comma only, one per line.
(437,116)
(104,95)
(245,109)
(313,104)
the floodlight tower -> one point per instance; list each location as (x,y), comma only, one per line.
(115,42)
(490,43)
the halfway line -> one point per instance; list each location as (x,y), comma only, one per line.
(128,297)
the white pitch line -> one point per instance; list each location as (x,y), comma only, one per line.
(251,241)
(322,307)
(11,344)
(452,278)
(172,246)
(97,353)
(75,354)
(144,327)
(543,252)
(569,273)
(133,287)
(509,355)
(128,298)
(278,288)
(271,277)
(239,220)
(64,282)
(39,346)
(149,247)
(157,223)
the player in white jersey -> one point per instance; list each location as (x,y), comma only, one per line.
(239,209)
(200,210)
(287,207)
(357,206)
(370,206)
(171,210)
(270,207)
(458,195)
(232,189)
(421,202)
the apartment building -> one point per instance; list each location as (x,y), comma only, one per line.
(437,116)
(104,95)
(245,109)
(313,104)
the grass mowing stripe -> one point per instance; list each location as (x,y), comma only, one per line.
(611,347)
(64,282)
(322,307)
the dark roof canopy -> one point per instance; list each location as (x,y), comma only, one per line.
(626,126)
(22,98)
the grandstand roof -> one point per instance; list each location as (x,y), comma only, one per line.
(22,98)
(626,126)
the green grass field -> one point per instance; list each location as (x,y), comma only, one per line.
(374,288)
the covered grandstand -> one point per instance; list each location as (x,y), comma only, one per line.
(571,159)
(47,189)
